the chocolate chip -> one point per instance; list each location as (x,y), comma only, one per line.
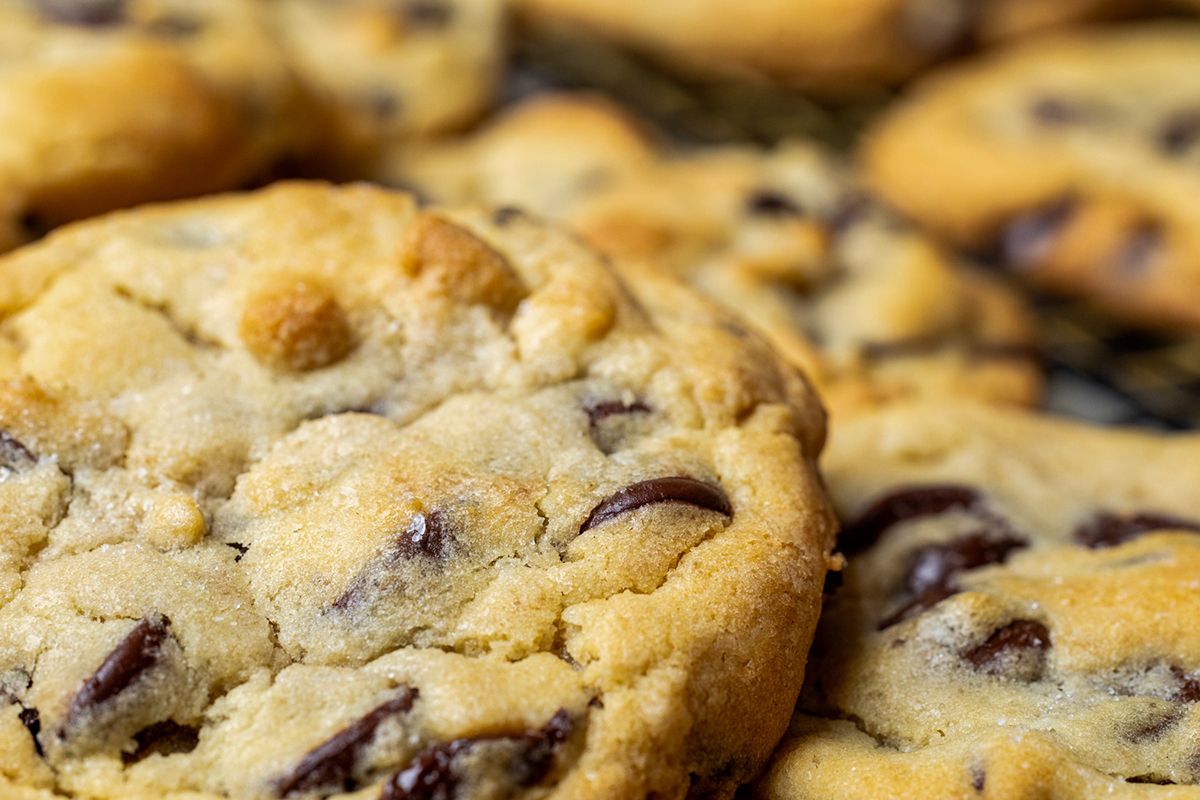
(600,410)
(1106,529)
(13,454)
(32,720)
(89,13)
(769,203)
(428,536)
(241,549)
(659,490)
(1029,237)
(504,215)
(1180,132)
(936,565)
(1189,687)
(133,656)
(922,602)
(902,505)
(429,14)
(978,778)
(1150,779)
(1022,635)
(163,738)
(1052,110)
(1155,728)
(535,756)
(429,776)
(331,765)
(1140,248)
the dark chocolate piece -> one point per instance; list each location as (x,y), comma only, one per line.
(600,410)
(936,565)
(1020,634)
(1106,529)
(901,505)
(332,764)
(88,13)
(659,490)
(133,657)
(769,203)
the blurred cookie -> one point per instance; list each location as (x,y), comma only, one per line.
(1076,159)
(1015,619)
(870,309)
(312,493)
(385,68)
(109,104)
(819,45)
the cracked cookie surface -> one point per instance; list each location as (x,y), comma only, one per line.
(1015,620)
(870,309)
(313,493)
(1074,160)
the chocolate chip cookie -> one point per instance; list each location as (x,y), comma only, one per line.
(820,45)
(1016,617)
(109,104)
(1075,160)
(313,493)
(386,68)
(868,307)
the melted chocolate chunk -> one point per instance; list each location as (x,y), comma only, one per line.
(428,14)
(1180,132)
(1140,248)
(1155,728)
(13,454)
(241,549)
(659,490)
(902,505)
(133,657)
(1018,635)
(600,410)
(1106,529)
(504,215)
(1189,687)
(29,716)
(535,757)
(431,774)
(936,565)
(922,602)
(428,536)
(1054,110)
(769,203)
(1150,779)
(163,738)
(978,778)
(88,13)
(332,765)
(1028,238)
